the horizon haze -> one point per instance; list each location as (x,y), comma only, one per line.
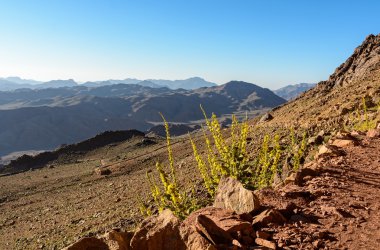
(217,40)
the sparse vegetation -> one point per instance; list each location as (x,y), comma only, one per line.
(360,119)
(267,164)
(223,157)
(168,194)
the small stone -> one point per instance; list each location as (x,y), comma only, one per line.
(236,243)
(342,143)
(317,244)
(266,117)
(102,171)
(373,133)
(265,243)
(315,140)
(329,150)
(262,235)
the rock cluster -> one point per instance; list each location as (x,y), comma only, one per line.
(233,222)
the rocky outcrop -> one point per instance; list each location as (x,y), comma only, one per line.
(365,58)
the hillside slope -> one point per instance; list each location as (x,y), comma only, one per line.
(331,101)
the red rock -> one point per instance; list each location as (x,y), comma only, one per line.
(265,243)
(211,231)
(158,232)
(88,243)
(267,217)
(193,240)
(225,219)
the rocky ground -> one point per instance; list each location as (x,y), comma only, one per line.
(51,207)
(331,203)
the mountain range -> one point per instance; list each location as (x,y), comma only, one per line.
(292,91)
(43,119)
(13,83)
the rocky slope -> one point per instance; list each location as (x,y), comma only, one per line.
(331,101)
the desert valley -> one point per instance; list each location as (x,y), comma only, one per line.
(189,125)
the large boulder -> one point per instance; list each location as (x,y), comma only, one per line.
(269,216)
(211,220)
(233,196)
(158,232)
(193,240)
(88,243)
(207,227)
(228,220)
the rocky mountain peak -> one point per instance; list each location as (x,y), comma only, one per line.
(365,58)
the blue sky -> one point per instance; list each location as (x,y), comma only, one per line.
(270,43)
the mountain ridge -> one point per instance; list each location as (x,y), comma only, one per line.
(90,111)
(14,83)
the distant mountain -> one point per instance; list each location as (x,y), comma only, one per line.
(56,84)
(191,83)
(13,83)
(6,85)
(18,80)
(292,91)
(43,119)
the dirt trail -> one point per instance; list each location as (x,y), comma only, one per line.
(340,208)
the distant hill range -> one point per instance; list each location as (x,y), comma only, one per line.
(13,83)
(43,119)
(290,92)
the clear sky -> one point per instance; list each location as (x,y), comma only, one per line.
(270,43)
